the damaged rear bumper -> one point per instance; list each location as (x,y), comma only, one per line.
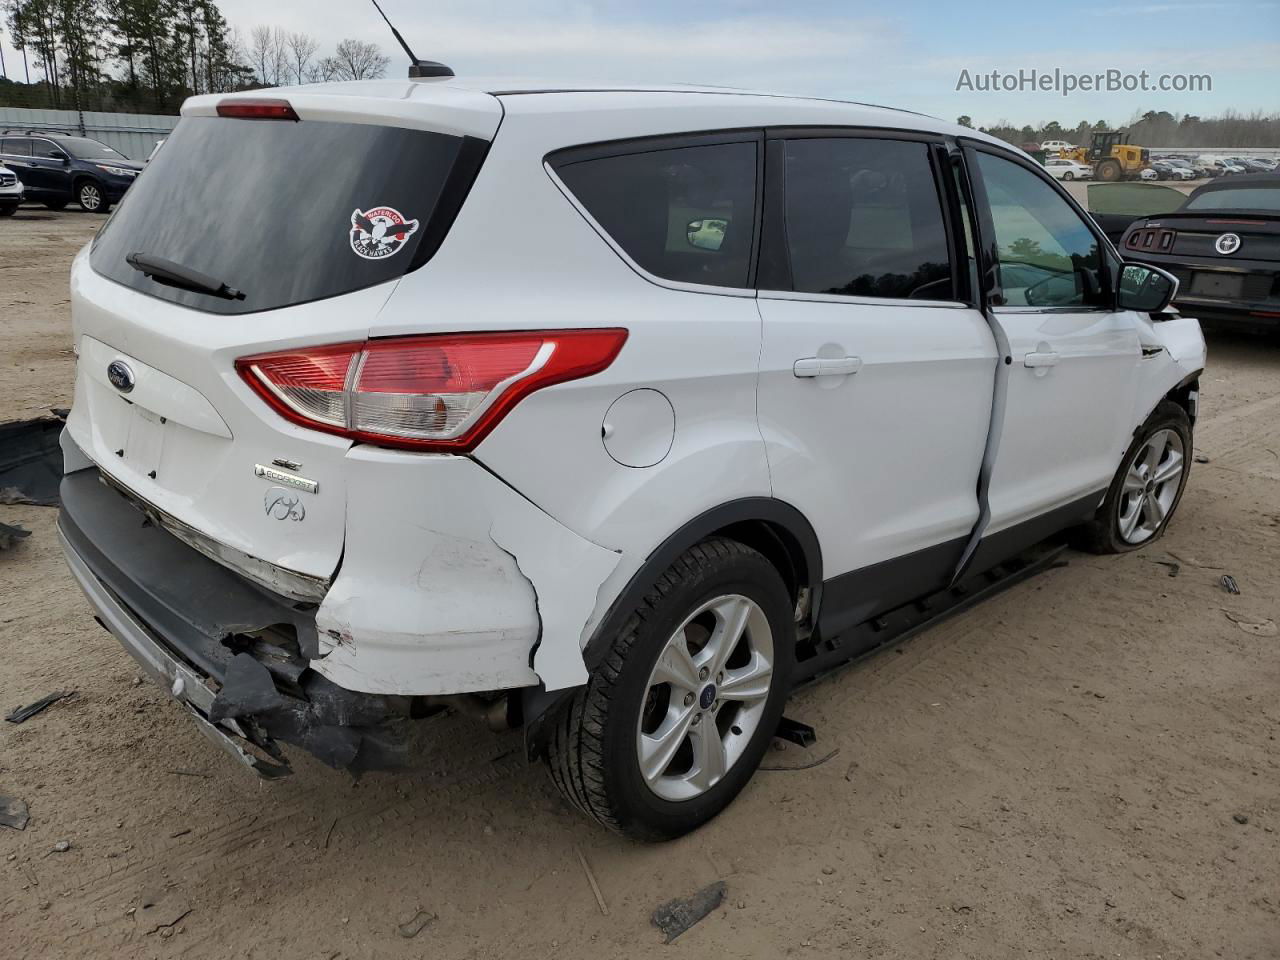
(236,657)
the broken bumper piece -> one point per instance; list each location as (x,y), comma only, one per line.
(236,657)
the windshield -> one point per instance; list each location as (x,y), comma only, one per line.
(285,212)
(1241,198)
(84,148)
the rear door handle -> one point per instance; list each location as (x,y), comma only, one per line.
(1044,358)
(827,366)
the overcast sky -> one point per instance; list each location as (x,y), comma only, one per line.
(907,53)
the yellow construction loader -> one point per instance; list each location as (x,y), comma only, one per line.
(1111,156)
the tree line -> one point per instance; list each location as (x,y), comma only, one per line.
(150,55)
(1156,128)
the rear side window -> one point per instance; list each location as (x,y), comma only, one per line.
(685,214)
(287,212)
(15,147)
(864,219)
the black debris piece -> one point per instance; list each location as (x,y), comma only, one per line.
(793,731)
(13,813)
(21,714)
(30,461)
(10,535)
(247,688)
(1229,584)
(676,916)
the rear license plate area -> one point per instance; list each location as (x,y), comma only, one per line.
(1221,286)
(145,441)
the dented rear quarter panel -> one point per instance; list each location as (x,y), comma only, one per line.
(451,582)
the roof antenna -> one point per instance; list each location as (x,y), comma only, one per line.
(417,68)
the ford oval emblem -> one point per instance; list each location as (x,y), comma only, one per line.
(120,375)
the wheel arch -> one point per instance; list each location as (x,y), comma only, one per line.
(773,527)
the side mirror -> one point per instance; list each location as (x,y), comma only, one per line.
(706,234)
(59,156)
(1145,288)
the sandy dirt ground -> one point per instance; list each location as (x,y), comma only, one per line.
(1084,767)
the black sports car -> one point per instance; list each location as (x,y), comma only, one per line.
(1223,245)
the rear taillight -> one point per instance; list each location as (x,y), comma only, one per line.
(440,392)
(257,108)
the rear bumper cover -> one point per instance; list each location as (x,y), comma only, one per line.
(236,657)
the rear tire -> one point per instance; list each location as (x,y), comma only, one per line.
(1068,175)
(1147,488)
(652,755)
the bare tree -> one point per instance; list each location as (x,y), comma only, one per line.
(324,70)
(358,60)
(302,48)
(269,55)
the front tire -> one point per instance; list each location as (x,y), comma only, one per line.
(8,210)
(671,726)
(1147,488)
(90,197)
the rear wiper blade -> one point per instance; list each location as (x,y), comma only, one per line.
(176,275)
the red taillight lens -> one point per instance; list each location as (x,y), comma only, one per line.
(257,108)
(438,392)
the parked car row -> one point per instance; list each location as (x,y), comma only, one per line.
(1184,167)
(56,169)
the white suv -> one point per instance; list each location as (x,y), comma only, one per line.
(611,413)
(11,191)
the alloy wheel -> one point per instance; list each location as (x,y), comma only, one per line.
(1151,485)
(90,197)
(705,697)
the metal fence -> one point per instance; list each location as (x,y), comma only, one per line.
(133,134)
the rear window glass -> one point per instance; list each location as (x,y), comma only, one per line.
(1240,198)
(684,214)
(285,212)
(864,219)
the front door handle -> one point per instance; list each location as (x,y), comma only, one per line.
(1041,358)
(827,366)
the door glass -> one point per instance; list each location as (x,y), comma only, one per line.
(1048,256)
(864,219)
(15,147)
(685,214)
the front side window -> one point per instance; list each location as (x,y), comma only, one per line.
(863,219)
(1048,256)
(685,214)
(86,149)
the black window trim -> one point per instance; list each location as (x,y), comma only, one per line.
(562,157)
(993,295)
(776,279)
